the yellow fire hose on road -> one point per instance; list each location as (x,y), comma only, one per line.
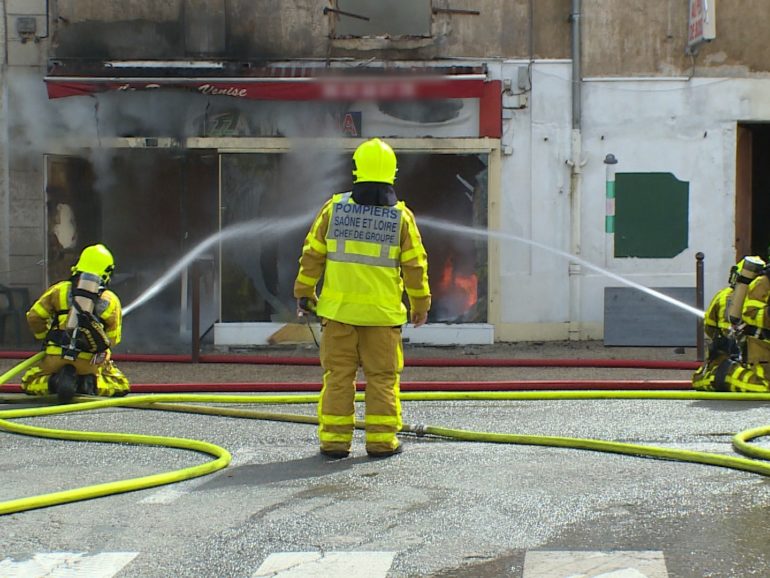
(171,402)
(26,364)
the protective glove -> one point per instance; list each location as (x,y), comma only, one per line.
(418,319)
(306,306)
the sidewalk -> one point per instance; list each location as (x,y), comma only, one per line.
(161,372)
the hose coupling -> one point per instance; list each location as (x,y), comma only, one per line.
(420,429)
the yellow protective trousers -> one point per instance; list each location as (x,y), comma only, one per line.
(110,381)
(378,351)
(725,374)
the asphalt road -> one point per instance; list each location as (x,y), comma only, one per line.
(441,509)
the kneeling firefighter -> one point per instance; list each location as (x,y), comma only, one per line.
(78,320)
(734,361)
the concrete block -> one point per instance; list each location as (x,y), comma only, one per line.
(25,6)
(26,184)
(30,212)
(446,334)
(27,271)
(27,241)
(635,318)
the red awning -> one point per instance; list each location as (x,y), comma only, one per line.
(334,88)
(286,83)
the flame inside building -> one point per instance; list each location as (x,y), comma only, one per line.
(456,294)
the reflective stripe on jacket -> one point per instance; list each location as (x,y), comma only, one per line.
(362,251)
(715,319)
(50,311)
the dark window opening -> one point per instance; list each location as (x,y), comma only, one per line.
(372,18)
(150,208)
(258,273)
(153,207)
(760,188)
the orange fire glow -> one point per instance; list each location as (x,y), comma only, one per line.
(461,289)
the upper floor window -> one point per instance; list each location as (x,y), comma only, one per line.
(362,18)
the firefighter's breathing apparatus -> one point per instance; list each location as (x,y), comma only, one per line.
(746,271)
(84,330)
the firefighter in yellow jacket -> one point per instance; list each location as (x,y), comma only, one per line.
(739,351)
(723,334)
(78,320)
(366,245)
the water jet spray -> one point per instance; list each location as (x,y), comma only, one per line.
(488,233)
(246,229)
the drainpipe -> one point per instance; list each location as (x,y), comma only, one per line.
(576,178)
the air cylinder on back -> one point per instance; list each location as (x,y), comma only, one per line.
(88,284)
(749,270)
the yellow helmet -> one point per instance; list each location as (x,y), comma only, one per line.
(374,162)
(96,260)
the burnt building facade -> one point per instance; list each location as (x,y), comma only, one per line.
(207,133)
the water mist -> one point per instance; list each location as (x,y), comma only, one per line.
(487,234)
(261,227)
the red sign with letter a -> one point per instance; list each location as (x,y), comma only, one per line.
(350,124)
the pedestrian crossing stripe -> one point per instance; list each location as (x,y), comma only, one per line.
(537,564)
(69,564)
(326,565)
(585,564)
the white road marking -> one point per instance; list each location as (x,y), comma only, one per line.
(326,565)
(171,493)
(67,565)
(580,564)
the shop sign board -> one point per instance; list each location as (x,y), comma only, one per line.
(701,22)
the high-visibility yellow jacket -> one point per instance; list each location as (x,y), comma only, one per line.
(368,255)
(715,320)
(51,309)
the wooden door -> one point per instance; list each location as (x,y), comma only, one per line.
(743,193)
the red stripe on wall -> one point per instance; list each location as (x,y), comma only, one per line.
(491,110)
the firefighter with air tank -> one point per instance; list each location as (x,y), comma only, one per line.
(737,324)
(366,245)
(78,320)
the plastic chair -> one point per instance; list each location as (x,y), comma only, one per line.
(14,304)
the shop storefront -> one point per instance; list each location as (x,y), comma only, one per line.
(234,168)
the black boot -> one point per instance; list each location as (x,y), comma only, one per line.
(87,384)
(64,383)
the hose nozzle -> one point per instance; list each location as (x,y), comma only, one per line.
(305,306)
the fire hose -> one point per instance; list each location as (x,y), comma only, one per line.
(755,462)
(411,362)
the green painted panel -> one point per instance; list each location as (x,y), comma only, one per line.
(651,215)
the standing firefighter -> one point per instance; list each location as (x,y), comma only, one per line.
(78,321)
(366,245)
